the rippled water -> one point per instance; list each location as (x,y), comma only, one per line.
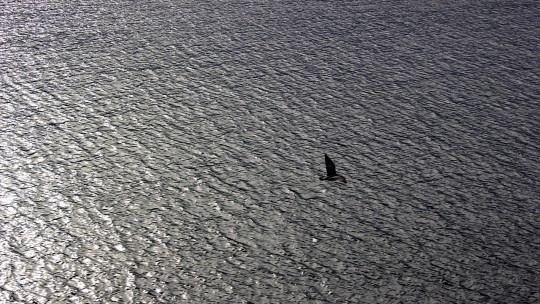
(169,152)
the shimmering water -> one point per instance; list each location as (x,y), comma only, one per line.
(169,151)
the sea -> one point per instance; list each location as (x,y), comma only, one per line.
(169,151)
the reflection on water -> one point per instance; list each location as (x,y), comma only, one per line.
(170,152)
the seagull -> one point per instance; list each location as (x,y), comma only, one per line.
(331,171)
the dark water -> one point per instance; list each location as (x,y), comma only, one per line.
(169,152)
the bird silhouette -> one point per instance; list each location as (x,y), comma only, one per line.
(331,173)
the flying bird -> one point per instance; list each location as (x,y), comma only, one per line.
(331,174)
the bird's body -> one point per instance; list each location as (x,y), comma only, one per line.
(331,173)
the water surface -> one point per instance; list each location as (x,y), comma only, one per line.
(169,152)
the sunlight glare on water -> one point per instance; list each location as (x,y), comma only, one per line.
(170,152)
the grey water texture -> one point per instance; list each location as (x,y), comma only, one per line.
(170,151)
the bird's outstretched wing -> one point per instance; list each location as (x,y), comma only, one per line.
(330,167)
